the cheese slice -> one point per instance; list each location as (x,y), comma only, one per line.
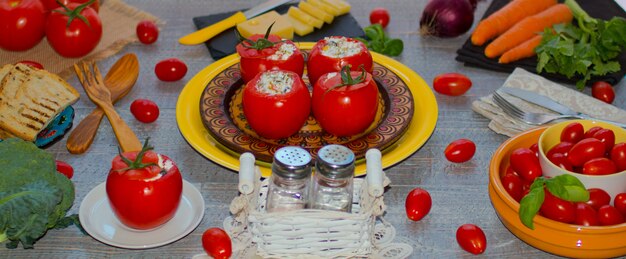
(258,25)
(316,12)
(299,27)
(324,6)
(295,12)
(342,6)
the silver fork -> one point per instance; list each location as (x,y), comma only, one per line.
(528,117)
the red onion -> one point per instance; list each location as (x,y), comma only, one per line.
(447,18)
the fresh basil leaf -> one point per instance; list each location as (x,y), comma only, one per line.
(379,42)
(530,205)
(394,47)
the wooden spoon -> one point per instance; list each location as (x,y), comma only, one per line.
(119,80)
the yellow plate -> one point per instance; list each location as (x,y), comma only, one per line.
(191,127)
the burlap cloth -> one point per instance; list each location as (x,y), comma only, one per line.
(118,29)
(520,78)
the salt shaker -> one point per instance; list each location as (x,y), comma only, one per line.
(332,182)
(289,183)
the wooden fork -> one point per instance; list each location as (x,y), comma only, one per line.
(98,93)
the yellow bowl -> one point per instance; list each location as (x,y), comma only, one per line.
(550,236)
(613,184)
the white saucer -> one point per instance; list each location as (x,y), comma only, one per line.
(99,221)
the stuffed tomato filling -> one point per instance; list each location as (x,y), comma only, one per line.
(339,47)
(275,83)
(284,52)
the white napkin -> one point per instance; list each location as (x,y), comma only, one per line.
(520,78)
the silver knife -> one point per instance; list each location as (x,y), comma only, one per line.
(209,32)
(550,104)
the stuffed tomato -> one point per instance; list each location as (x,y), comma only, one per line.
(331,54)
(144,188)
(268,52)
(345,102)
(276,103)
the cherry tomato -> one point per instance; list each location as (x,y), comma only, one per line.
(379,15)
(257,57)
(589,133)
(52,4)
(526,164)
(609,215)
(598,198)
(509,170)
(599,166)
(144,196)
(535,148)
(65,169)
(586,215)
(603,91)
(22,24)
(561,161)
(147,32)
(171,69)
(453,84)
(618,155)
(620,203)
(76,38)
(31,63)
(573,132)
(322,61)
(606,136)
(460,150)
(562,147)
(417,204)
(586,150)
(513,186)
(557,209)
(277,113)
(217,243)
(144,110)
(471,238)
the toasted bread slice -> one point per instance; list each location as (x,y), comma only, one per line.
(29,99)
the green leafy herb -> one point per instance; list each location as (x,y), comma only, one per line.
(564,187)
(586,50)
(379,42)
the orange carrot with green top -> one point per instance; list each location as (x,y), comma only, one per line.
(503,19)
(528,28)
(524,50)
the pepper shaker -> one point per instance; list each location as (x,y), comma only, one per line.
(333,179)
(289,182)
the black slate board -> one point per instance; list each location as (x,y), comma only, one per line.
(224,44)
(604,9)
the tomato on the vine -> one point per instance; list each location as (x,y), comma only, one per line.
(75,31)
(453,84)
(460,150)
(217,243)
(171,69)
(22,24)
(331,54)
(603,91)
(526,164)
(417,204)
(471,238)
(144,110)
(379,15)
(52,4)
(260,53)
(147,32)
(64,168)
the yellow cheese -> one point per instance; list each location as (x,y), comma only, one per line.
(258,25)
(316,12)
(299,27)
(324,6)
(295,12)
(342,6)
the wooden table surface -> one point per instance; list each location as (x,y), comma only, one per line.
(459,191)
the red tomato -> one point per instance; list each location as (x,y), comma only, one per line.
(171,69)
(147,32)
(606,136)
(144,196)
(320,64)
(217,243)
(460,150)
(603,91)
(562,147)
(561,161)
(598,198)
(586,150)
(573,132)
(453,84)
(379,15)
(257,57)
(31,63)
(76,38)
(618,155)
(144,110)
(509,170)
(513,185)
(586,215)
(599,166)
(526,164)
(417,204)
(620,203)
(277,113)
(471,238)
(65,169)
(557,209)
(535,148)
(589,133)
(609,215)
(52,4)
(22,24)
(348,109)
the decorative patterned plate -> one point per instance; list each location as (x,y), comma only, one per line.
(56,129)
(221,110)
(188,117)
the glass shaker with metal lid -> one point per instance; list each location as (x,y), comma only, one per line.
(332,182)
(289,183)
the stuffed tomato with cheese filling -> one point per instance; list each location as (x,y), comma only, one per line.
(331,54)
(345,102)
(268,52)
(276,103)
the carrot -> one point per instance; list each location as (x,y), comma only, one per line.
(503,19)
(524,50)
(527,28)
